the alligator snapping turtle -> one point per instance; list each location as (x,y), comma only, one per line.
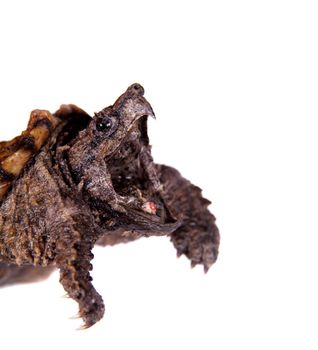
(71,180)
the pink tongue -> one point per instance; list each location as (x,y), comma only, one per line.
(150,208)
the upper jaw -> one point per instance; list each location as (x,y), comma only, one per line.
(133,104)
(133,109)
(131,112)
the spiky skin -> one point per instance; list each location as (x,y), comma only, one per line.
(92,180)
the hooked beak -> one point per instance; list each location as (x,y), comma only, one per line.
(131,108)
(133,104)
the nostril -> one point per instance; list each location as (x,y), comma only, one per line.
(137,89)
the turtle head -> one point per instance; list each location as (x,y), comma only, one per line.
(109,129)
(111,159)
(110,126)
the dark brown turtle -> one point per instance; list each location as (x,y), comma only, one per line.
(71,180)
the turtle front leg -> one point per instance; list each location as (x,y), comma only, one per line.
(73,260)
(198,236)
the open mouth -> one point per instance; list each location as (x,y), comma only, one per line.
(130,177)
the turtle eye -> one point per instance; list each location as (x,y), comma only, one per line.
(104,124)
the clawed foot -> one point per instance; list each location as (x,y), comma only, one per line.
(199,246)
(91,309)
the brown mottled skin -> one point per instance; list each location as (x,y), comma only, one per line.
(70,181)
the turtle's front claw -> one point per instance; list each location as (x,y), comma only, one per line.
(199,246)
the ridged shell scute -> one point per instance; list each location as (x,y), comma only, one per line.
(16,153)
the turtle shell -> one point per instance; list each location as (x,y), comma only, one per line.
(16,153)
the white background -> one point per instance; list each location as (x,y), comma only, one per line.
(234,86)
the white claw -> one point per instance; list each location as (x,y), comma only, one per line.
(82,327)
(75,317)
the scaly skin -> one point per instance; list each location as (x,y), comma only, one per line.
(94,180)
